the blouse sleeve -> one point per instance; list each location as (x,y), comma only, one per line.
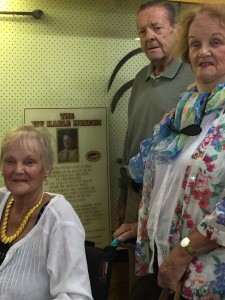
(213,226)
(137,163)
(66,263)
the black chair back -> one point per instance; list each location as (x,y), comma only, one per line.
(100,264)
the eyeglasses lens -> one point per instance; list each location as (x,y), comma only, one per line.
(191,130)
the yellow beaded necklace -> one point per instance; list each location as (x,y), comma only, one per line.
(8,239)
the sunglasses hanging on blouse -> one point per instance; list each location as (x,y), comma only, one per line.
(190,130)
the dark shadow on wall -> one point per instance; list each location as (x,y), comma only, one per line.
(125,86)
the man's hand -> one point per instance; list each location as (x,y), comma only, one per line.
(125,233)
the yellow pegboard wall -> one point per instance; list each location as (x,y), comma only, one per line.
(65,59)
(53,61)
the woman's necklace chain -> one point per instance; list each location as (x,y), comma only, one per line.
(8,239)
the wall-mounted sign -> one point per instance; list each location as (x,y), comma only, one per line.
(80,171)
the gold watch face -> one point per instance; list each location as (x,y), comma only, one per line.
(185,242)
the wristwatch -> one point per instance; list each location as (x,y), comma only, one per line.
(186,245)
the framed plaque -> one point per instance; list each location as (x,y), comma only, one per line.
(80,170)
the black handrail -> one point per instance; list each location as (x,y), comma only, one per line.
(37,13)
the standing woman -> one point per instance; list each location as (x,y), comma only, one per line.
(42,254)
(182,212)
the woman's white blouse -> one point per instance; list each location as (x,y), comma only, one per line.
(49,263)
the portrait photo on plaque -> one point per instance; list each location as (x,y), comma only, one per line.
(67,142)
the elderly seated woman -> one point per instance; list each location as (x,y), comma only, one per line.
(42,254)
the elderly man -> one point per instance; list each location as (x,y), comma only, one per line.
(157,88)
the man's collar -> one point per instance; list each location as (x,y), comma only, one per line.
(170,71)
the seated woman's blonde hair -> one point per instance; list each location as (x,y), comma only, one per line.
(26,135)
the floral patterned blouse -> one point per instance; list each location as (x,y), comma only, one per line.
(197,200)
